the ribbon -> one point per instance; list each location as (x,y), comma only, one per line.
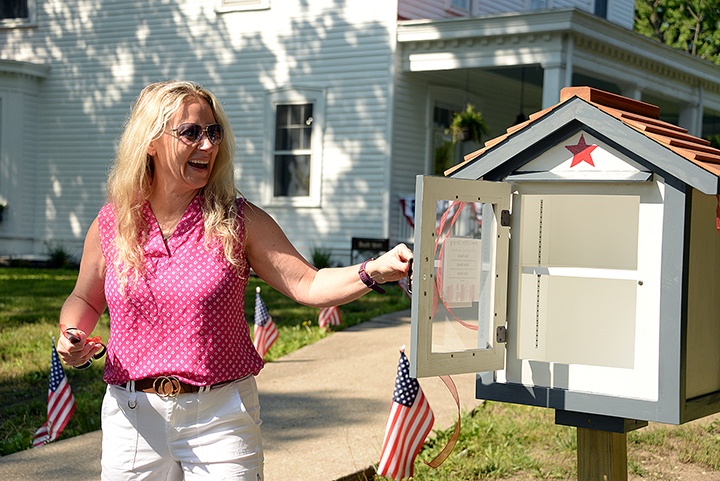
(443,455)
(458,207)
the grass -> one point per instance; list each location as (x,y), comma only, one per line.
(497,440)
(502,440)
(30,301)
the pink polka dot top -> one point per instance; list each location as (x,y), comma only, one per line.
(185,316)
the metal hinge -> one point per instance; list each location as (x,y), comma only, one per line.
(501,334)
(505,218)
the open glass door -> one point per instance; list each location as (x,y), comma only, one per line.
(460,276)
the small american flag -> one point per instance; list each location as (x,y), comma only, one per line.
(329,316)
(410,421)
(265,331)
(61,404)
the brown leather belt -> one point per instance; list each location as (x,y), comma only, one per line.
(170,386)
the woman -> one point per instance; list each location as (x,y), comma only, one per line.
(169,255)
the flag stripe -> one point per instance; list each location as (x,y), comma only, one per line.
(391,434)
(410,421)
(61,404)
(265,331)
(412,439)
(329,316)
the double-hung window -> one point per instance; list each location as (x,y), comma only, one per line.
(295,155)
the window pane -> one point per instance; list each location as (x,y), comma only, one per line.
(296,117)
(13,9)
(292,175)
(283,115)
(295,137)
(461,4)
(293,127)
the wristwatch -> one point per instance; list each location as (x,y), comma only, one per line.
(367,280)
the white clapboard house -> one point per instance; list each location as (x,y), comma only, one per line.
(368,86)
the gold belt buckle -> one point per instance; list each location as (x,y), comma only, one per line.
(166,386)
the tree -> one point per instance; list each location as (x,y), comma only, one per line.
(689,25)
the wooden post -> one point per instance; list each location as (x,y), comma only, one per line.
(601,455)
(601,444)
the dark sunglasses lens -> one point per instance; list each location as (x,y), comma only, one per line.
(215,133)
(191,132)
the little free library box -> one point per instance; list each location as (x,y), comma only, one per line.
(574,264)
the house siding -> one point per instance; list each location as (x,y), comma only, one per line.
(18,158)
(430,9)
(376,117)
(102,54)
(619,12)
(409,147)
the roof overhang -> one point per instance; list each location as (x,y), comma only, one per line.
(571,38)
(25,69)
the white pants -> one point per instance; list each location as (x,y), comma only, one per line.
(212,435)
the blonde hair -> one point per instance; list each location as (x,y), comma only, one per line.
(131,176)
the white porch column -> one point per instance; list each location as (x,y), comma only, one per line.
(554,79)
(631,91)
(691,114)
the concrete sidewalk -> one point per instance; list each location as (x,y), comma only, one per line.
(324,410)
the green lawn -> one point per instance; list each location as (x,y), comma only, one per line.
(497,440)
(30,301)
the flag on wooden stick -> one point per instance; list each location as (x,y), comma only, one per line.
(329,316)
(265,331)
(411,420)
(61,403)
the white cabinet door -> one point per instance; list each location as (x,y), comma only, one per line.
(459,285)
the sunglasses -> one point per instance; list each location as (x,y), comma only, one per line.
(192,133)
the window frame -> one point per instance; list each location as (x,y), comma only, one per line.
(295,96)
(28,21)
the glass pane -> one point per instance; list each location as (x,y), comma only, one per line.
(292,175)
(442,117)
(281,139)
(461,4)
(13,9)
(283,115)
(464,276)
(296,116)
(293,129)
(295,139)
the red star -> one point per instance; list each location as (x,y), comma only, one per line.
(581,152)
